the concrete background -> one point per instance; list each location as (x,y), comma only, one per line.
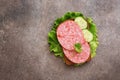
(24,51)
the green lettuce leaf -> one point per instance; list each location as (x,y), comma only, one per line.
(54,44)
(94,43)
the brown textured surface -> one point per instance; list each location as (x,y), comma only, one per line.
(24,52)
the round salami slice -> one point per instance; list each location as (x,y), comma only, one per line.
(69,33)
(75,57)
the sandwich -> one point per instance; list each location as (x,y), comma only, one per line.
(73,37)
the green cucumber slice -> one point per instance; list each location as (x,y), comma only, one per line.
(87,35)
(81,22)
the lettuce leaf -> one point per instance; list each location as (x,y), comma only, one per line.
(94,43)
(55,46)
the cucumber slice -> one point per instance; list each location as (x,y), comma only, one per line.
(81,22)
(87,35)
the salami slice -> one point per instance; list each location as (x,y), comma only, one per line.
(69,33)
(75,57)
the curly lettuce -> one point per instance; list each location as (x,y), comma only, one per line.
(52,37)
(94,43)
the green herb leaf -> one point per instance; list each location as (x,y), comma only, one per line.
(77,47)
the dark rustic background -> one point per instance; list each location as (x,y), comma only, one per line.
(24,51)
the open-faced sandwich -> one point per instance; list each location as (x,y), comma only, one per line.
(73,37)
